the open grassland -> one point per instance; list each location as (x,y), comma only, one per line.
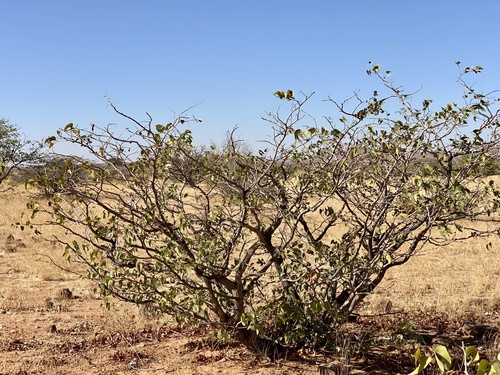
(52,322)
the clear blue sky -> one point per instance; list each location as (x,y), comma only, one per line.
(60,59)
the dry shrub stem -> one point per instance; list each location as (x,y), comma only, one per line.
(58,265)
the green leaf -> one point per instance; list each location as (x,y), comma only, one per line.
(336,133)
(68,127)
(50,141)
(443,358)
(483,367)
(417,356)
(425,104)
(279,94)
(471,351)
(316,306)
(312,131)
(495,368)
(423,362)
(297,134)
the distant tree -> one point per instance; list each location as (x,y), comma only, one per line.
(15,150)
(277,247)
(50,169)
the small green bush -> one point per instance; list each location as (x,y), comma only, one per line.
(441,357)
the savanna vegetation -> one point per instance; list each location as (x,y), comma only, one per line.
(278,248)
(16,151)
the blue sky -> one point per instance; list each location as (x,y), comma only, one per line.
(61,59)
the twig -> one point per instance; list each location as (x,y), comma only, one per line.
(151,369)
(7,189)
(57,265)
(400,312)
(466,372)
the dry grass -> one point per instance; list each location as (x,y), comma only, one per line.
(454,280)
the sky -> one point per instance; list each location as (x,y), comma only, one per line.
(62,60)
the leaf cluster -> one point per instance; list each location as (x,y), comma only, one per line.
(442,358)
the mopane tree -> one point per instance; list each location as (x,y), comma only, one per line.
(15,150)
(279,246)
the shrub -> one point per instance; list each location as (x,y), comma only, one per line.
(16,152)
(276,247)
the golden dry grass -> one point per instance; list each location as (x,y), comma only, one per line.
(453,280)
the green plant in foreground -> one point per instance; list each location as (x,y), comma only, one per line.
(406,331)
(444,361)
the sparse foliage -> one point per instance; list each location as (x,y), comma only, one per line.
(15,150)
(56,174)
(277,247)
(470,360)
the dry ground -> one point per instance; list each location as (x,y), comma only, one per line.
(51,321)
